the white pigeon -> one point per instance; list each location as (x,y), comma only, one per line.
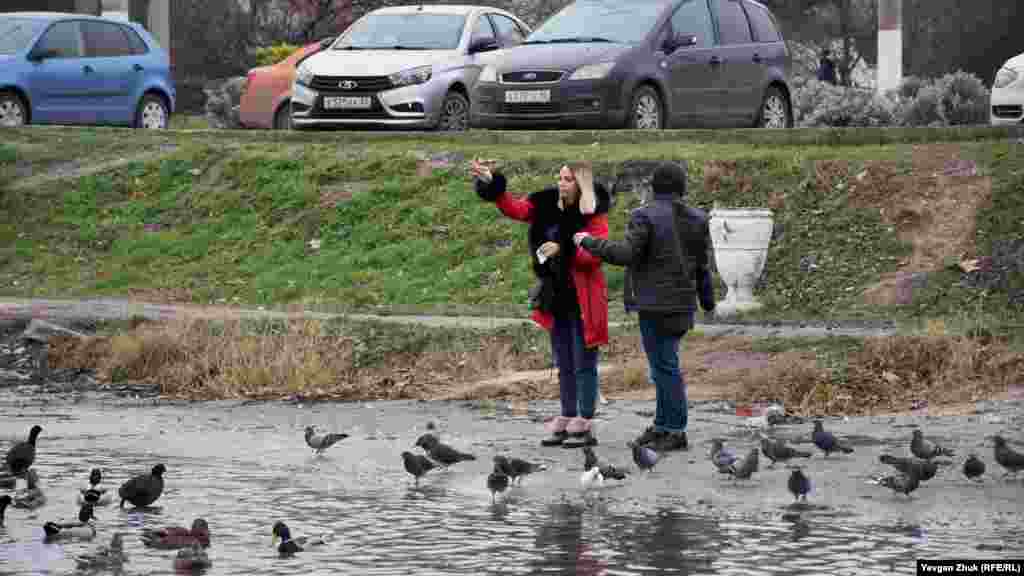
(592,478)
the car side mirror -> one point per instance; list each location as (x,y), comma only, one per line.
(677,41)
(483,45)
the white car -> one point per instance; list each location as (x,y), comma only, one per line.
(402,66)
(1008,93)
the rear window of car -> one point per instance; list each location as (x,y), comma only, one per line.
(16,33)
(414,31)
(762,23)
(600,21)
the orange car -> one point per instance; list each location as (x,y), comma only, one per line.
(268,91)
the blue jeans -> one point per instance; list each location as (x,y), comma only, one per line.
(577,367)
(670,387)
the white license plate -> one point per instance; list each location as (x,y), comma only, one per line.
(527,96)
(346,102)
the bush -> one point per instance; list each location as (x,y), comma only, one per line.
(270,55)
(818,104)
(952,100)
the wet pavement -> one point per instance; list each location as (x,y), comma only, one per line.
(244,465)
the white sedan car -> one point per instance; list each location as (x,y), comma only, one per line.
(1008,93)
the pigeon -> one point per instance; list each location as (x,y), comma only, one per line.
(590,460)
(925,449)
(827,442)
(143,489)
(723,458)
(32,496)
(592,478)
(417,465)
(924,469)
(321,442)
(973,467)
(23,454)
(175,537)
(745,468)
(94,494)
(192,559)
(83,529)
(106,559)
(441,453)
(643,456)
(1012,461)
(5,501)
(902,484)
(497,481)
(290,545)
(779,451)
(799,485)
(515,468)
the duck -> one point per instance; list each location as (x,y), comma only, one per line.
(94,494)
(32,496)
(107,558)
(81,530)
(192,558)
(143,489)
(22,455)
(290,545)
(5,501)
(174,537)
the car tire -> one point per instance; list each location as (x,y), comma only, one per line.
(646,111)
(152,113)
(454,113)
(775,110)
(13,112)
(283,117)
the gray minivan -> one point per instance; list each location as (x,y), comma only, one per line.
(643,64)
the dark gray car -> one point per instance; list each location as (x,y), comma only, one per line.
(644,64)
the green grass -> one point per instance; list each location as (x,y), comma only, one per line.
(230,216)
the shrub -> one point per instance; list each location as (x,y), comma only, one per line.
(818,103)
(270,55)
(954,99)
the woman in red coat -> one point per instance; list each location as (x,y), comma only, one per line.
(573,306)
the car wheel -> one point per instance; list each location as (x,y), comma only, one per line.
(152,113)
(12,110)
(454,113)
(775,111)
(646,111)
(283,117)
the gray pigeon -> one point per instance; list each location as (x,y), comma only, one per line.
(778,451)
(143,489)
(23,454)
(441,453)
(924,469)
(515,468)
(590,460)
(799,485)
(496,482)
(1007,458)
(901,484)
(827,442)
(321,442)
(745,468)
(723,458)
(973,467)
(643,456)
(926,449)
(5,501)
(417,465)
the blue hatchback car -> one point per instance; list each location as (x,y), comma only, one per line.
(76,69)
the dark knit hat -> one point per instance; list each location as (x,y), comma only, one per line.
(669,178)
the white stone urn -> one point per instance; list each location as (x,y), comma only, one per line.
(740,237)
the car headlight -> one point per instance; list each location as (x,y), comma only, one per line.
(488,74)
(304,75)
(411,76)
(593,71)
(1005,77)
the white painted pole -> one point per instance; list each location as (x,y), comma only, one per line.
(890,45)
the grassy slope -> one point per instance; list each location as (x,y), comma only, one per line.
(229,217)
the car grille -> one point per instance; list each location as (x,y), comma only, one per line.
(530,108)
(1011,111)
(363,84)
(531,76)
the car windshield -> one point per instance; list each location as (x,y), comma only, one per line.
(415,31)
(16,33)
(600,21)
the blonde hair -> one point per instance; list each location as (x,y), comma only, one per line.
(583,173)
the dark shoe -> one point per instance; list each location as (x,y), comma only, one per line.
(555,439)
(670,441)
(649,435)
(585,439)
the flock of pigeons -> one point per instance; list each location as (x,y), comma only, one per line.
(145,489)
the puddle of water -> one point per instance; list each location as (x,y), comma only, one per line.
(244,466)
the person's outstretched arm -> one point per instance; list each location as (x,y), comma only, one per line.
(622,252)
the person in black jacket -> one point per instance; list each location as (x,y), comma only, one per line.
(667,254)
